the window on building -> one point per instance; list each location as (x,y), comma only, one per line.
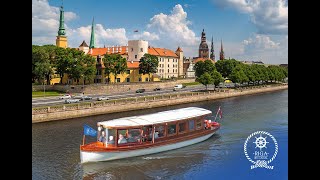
(141,49)
(168,72)
(172,129)
(135,56)
(160,60)
(168,60)
(147,79)
(140,79)
(198,124)
(168,65)
(182,127)
(128,79)
(118,79)
(191,125)
(128,72)
(131,49)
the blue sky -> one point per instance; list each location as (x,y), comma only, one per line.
(250,30)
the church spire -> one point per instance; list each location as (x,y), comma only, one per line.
(92,44)
(62,31)
(221,52)
(212,56)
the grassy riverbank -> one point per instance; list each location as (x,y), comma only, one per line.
(36,94)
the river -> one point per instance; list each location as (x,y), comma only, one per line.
(55,145)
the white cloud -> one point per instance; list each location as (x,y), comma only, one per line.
(269,16)
(45,22)
(146,36)
(174,26)
(262,47)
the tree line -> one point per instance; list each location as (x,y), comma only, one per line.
(48,60)
(209,73)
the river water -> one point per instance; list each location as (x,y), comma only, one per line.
(55,145)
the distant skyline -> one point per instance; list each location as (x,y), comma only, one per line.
(251,30)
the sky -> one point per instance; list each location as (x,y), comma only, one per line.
(251,30)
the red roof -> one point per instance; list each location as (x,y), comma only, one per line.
(161,52)
(133,64)
(108,50)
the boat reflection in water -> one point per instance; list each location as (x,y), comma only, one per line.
(158,166)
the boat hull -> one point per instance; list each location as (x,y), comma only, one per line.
(86,156)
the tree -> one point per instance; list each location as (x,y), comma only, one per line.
(202,67)
(109,64)
(41,67)
(206,79)
(217,78)
(225,67)
(238,76)
(89,67)
(120,66)
(148,64)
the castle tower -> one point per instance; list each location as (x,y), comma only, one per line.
(179,52)
(212,56)
(221,52)
(61,40)
(84,47)
(92,43)
(203,48)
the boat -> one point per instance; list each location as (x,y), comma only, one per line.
(148,134)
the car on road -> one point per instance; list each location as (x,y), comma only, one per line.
(157,89)
(177,87)
(103,98)
(140,91)
(85,98)
(65,96)
(68,101)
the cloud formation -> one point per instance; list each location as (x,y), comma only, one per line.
(269,16)
(146,36)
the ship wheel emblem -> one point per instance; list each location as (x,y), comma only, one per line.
(261,142)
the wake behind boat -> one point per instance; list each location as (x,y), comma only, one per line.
(147,134)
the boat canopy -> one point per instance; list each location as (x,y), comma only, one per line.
(156,118)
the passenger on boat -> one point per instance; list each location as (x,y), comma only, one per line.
(102,138)
(130,138)
(111,140)
(156,134)
(122,140)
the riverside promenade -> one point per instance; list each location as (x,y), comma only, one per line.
(69,111)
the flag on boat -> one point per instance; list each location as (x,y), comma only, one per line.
(89,131)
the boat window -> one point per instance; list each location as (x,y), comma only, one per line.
(191,125)
(161,131)
(134,135)
(111,134)
(198,124)
(147,133)
(122,138)
(172,129)
(182,127)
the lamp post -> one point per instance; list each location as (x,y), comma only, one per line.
(82,84)
(44,87)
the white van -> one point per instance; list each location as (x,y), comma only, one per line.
(178,86)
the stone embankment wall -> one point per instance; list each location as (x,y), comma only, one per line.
(111,88)
(94,108)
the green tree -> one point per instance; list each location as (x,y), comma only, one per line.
(148,64)
(109,64)
(41,67)
(206,79)
(202,67)
(217,78)
(225,67)
(238,76)
(120,66)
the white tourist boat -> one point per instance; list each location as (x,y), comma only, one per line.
(148,134)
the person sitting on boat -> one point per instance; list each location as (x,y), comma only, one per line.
(111,140)
(102,138)
(122,140)
(130,138)
(156,134)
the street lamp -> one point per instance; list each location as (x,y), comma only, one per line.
(83,84)
(44,87)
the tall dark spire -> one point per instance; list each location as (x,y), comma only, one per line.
(221,52)
(92,43)
(212,56)
(62,31)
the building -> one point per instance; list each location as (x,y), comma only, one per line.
(203,47)
(221,52)
(61,40)
(136,49)
(190,73)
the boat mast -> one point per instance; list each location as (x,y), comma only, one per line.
(217,113)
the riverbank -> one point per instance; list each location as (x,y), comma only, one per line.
(95,108)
